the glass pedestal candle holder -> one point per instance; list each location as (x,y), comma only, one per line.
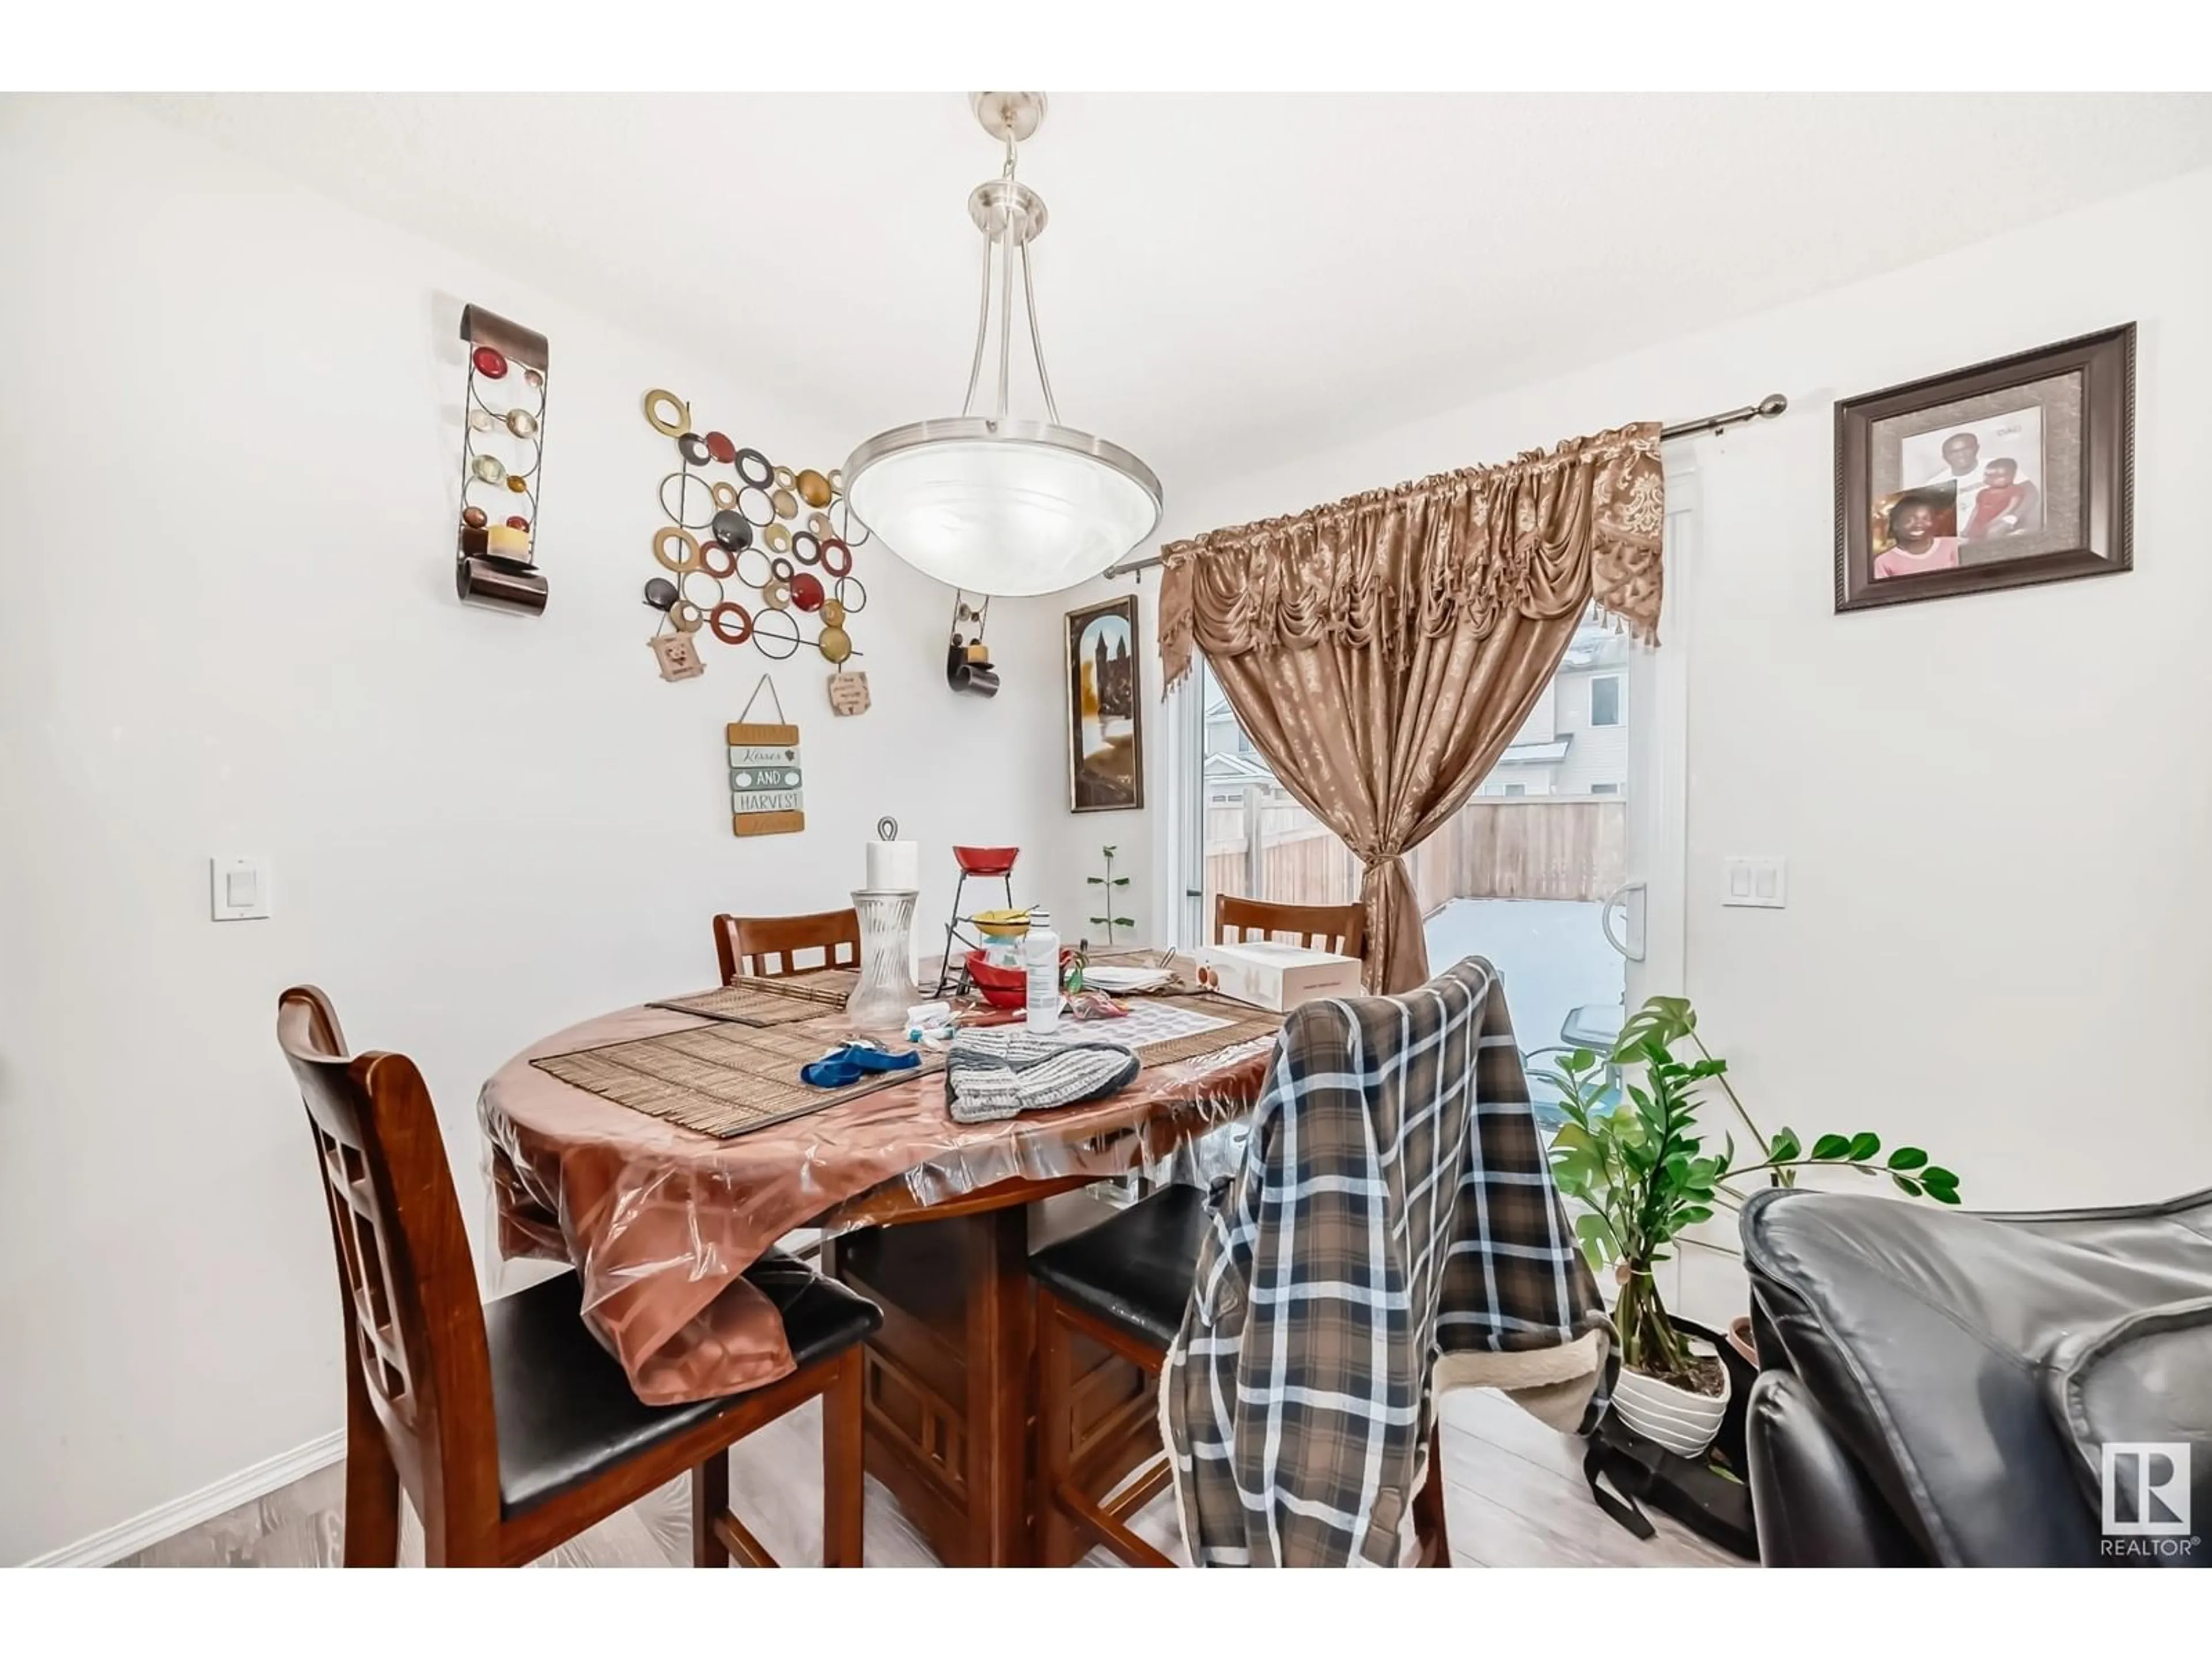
(886,988)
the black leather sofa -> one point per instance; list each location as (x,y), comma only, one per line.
(1937,1386)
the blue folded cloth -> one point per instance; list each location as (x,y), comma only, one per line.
(842,1067)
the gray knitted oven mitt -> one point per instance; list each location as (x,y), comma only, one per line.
(997,1073)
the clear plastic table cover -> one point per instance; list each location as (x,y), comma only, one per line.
(661,1222)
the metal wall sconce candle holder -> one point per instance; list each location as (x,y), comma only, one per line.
(967,659)
(744,555)
(502,452)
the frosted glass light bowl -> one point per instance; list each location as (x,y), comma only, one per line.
(1002,507)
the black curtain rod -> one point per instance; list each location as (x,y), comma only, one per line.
(1765,409)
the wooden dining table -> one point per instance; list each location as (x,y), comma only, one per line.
(928,1217)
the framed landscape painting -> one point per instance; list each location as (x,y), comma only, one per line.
(1105,710)
(2010,472)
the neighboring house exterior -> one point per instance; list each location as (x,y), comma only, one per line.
(1231,763)
(1575,741)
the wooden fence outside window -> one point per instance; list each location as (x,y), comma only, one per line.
(1523,847)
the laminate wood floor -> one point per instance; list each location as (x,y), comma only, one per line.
(1514,1498)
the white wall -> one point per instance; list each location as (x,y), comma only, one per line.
(1978,956)
(228,442)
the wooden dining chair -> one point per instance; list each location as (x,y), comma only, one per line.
(1123,1284)
(770,945)
(1341,928)
(508,1424)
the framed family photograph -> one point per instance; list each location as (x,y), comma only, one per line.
(1105,710)
(2009,472)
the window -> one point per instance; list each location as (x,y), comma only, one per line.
(1520,874)
(1252,840)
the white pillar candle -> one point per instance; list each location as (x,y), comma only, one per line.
(507,541)
(894,866)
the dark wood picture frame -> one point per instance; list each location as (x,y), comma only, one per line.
(1121,689)
(2104,488)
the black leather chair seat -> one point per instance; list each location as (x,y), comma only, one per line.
(1947,1378)
(1135,1270)
(564,1408)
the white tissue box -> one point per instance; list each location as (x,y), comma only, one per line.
(1279,977)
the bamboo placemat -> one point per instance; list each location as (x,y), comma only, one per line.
(724,1079)
(750,1002)
(826,988)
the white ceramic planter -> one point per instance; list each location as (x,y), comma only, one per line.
(1683,1422)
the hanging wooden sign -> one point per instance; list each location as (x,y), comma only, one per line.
(766,796)
(848,693)
(678,658)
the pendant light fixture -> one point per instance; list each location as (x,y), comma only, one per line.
(993,503)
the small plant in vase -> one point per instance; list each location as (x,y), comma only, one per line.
(1110,898)
(1642,1173)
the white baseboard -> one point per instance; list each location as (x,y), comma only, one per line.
(111,1544)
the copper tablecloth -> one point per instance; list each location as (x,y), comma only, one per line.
(662,1222)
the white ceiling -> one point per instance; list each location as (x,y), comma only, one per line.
(1227,280)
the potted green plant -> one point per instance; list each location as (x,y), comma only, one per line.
(1639,1169)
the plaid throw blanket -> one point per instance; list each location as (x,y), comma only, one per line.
(1393,1231)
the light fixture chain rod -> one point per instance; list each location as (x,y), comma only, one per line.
(1037,339)
(982,331)
(1007,233)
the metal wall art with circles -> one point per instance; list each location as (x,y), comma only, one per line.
(738,533)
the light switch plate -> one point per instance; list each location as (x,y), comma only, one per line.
(1760,883)
(238,887)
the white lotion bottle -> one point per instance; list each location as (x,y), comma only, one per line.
(1041,958)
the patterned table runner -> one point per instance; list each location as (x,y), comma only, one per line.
(1166,1029)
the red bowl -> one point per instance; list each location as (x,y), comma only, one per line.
(1006,987)
(986,860)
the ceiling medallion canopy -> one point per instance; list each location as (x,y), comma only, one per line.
(993,503)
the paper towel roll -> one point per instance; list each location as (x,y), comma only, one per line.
(894,866)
